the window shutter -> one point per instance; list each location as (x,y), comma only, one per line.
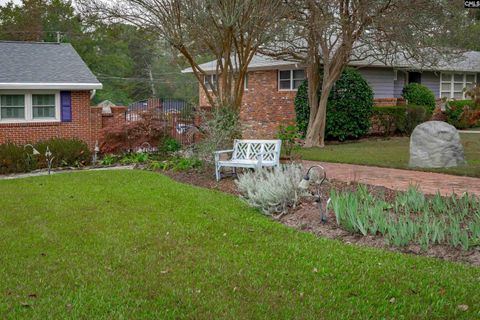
(66,106)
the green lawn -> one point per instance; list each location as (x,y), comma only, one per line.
(392,152)
(136,245)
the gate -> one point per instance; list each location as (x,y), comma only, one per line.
(178,116)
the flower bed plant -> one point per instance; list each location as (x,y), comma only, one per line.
(410,218)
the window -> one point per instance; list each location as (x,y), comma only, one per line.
(452,85)
(12,106)
(246,82)
(210,81)
(29,106)
(290,79)
(43,106)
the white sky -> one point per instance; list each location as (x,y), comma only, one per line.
(2,2)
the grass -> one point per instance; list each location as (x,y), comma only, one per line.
(137,245)
(393,153)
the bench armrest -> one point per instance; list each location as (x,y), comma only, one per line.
(218,153)
(223,151)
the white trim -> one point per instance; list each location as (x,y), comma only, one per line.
(291,79)
(49,86)
(29,107)
(452,83)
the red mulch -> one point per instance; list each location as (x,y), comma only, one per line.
(306,217)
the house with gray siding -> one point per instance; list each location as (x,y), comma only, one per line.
(271,85)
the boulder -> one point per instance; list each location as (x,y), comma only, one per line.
(435,144)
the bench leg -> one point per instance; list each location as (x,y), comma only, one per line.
(217,172)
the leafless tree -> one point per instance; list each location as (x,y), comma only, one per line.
(327,35)
(231,31)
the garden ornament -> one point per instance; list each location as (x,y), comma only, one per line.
(49,158)
(96,150)
(306,181)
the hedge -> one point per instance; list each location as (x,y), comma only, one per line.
(67,153)
(400,119)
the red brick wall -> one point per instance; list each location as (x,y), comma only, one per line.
(86,124)
(265,107)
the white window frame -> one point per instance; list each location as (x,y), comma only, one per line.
(452,83)
(209,81)
(29,106)
(291,79)
(245,82)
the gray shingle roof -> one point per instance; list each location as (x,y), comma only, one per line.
(467,62)
(39,64)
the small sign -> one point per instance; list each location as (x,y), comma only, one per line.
(472,4)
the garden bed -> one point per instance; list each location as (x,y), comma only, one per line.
(306,217)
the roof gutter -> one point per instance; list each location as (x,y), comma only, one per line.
(49,86)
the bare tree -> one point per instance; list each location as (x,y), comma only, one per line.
(329,34)
(230,31)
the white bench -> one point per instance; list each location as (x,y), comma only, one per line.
(249,154)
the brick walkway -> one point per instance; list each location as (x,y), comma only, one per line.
(400,179)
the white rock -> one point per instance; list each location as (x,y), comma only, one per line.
(436,144)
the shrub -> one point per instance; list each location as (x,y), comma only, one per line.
(414,116)
(14,159)
(463,114)
(169,145)
(66,153)
(390,118)
(272,191)
(130,135)
(401,119)
(349,107)
(289,136)
(175,164)
(219,128)
(302,109)
(418,94)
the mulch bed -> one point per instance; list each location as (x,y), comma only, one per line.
(306,217)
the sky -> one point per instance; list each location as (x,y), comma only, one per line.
(2,2)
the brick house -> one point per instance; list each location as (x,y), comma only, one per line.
(45,92)
(271,85)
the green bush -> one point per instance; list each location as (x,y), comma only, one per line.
(415,115)
(418,94)
(66,153)
(169,145)
(349,108)
(400,119)
(289,136)
(302,108)
(391,118)
(462,103)
(14,159)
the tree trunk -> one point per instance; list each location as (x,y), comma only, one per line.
(313,79)
(316,129)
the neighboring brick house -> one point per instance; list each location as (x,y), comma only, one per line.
(271,86)
(45,92)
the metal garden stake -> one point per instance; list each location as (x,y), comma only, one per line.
(305,183)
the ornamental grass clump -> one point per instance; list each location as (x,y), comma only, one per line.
(411,218)
(272,191)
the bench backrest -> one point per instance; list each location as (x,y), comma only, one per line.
(249,149)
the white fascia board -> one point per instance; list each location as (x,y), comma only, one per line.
(49,86)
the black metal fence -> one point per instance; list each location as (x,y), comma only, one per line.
(177,115)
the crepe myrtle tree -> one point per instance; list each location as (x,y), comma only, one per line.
(230,31)
(327,35)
